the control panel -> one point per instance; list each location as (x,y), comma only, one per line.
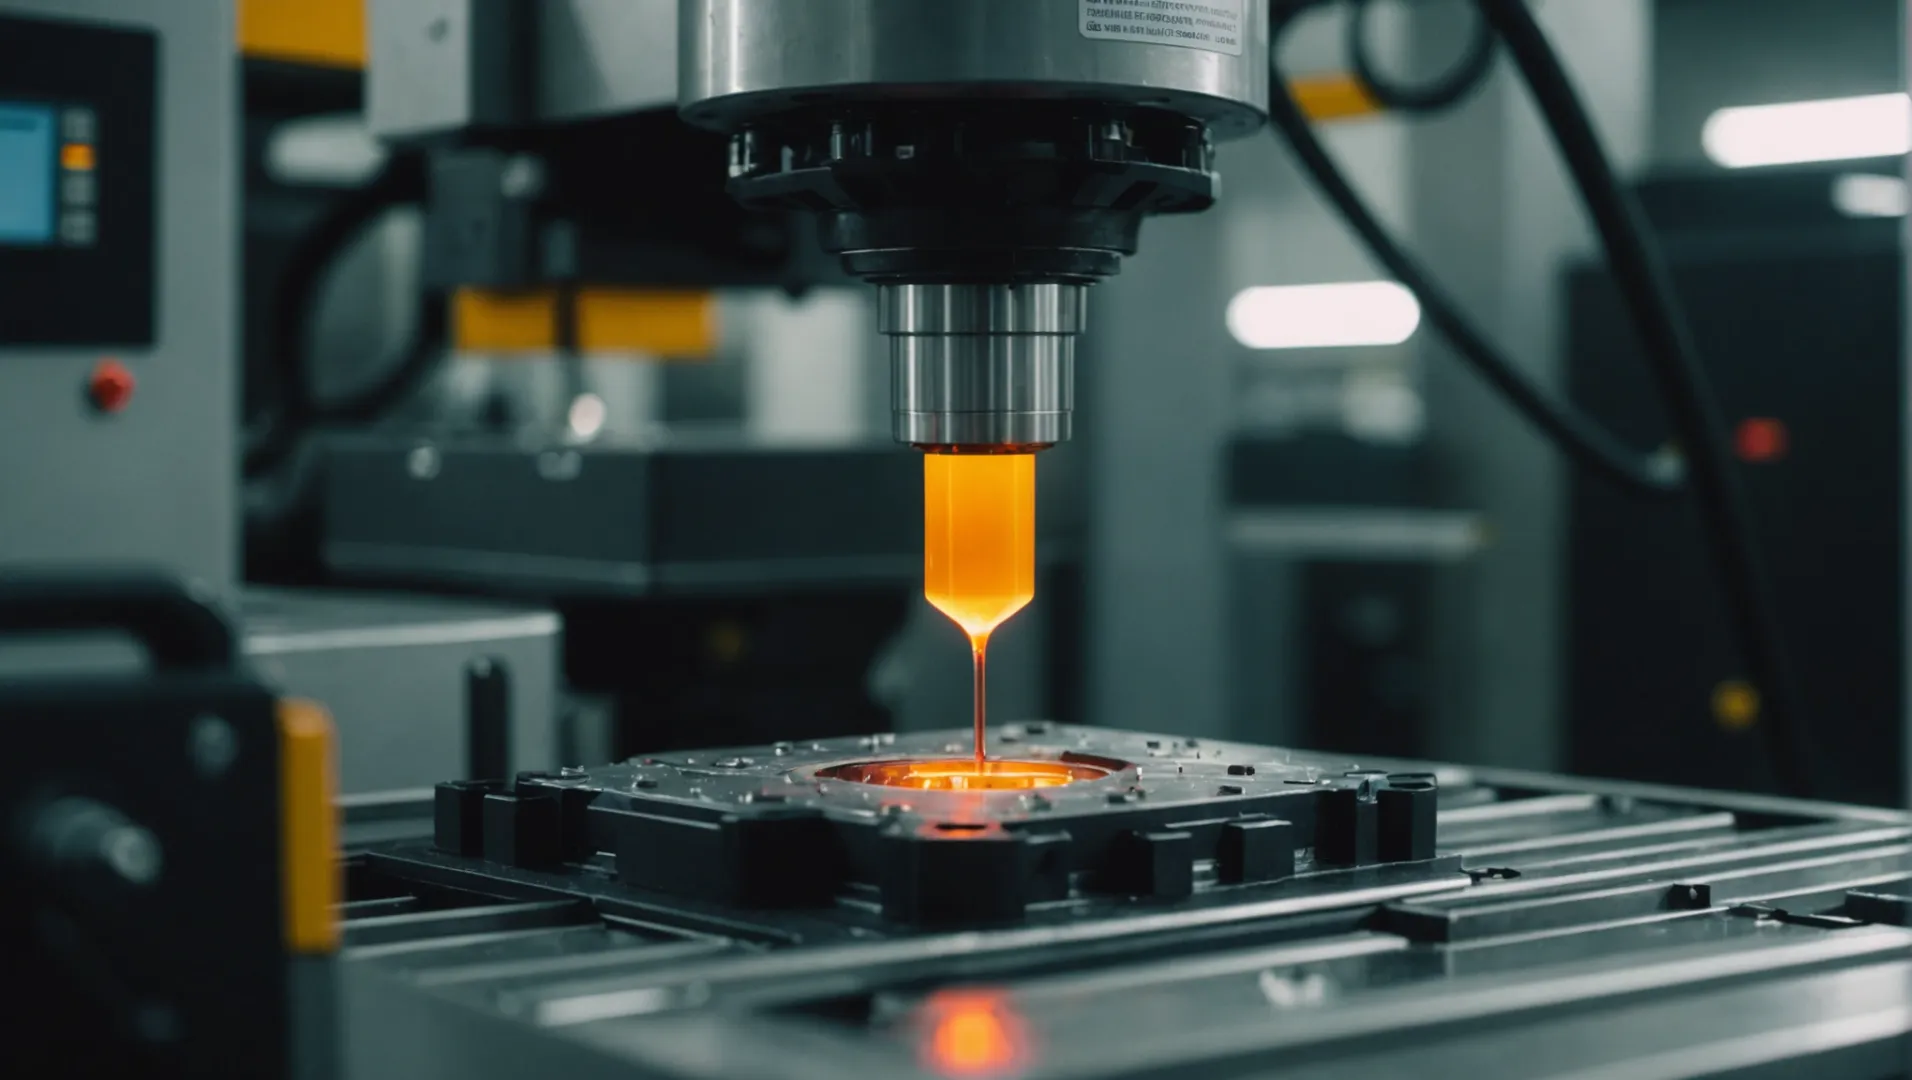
(119,212)
(78,109)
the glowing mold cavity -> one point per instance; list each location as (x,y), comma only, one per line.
(961,774)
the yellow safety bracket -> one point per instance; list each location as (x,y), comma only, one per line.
(309,827)
(1325,98)
(326,33)
(673,324)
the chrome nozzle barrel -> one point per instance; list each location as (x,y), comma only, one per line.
(982,365)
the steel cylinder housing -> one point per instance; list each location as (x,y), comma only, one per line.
(981,160)
(742,60)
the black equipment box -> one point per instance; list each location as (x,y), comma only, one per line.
(1796,312)
(687,515)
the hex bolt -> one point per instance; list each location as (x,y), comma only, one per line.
(212,745)
(132,852)
(521,178)
(423,462)
(75,837)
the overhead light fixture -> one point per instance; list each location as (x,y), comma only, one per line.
(1835,129)
(1328,315)
(332,150)
(586,417)
(1869,195)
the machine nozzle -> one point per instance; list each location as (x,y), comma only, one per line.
(982,365)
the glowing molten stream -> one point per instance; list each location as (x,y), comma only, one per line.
(979,548)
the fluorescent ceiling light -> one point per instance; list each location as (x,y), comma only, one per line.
(1878,125)
(586,416)
(1323,316)
(325,151)
(1869,195)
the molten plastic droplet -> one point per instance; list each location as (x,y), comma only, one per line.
(979,548)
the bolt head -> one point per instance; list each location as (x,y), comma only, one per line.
(212,745)
(423,462)
(133,853)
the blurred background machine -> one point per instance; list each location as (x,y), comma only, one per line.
(119,367)
(1798,303)
(1787,251)
(698,480)
(159,810)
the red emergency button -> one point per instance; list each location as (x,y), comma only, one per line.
(1761,439)
(110,386)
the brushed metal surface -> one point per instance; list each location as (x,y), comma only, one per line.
(742,58)
(982,365)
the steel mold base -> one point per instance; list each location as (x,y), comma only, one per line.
(1566,926)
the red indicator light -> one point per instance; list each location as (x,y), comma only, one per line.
(1760,440)
(110,386)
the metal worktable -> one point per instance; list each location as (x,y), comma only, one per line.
(1566,928)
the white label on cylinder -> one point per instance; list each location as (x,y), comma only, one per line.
(1214,25)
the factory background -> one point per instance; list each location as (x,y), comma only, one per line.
(491,479)
(1316,541)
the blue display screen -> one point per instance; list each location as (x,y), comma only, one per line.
(27,167)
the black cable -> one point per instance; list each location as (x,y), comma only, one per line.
(421,357)
(1646,287)
(282,512)
(1450,88)
(1583,440)
(401,181)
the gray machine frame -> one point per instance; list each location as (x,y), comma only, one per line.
(156,483)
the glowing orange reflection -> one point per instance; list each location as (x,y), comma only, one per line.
(963,775)
(973,1033)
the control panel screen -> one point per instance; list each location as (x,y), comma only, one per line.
(28,150)
(79,197)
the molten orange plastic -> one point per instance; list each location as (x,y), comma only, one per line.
(979,547)
(979,537)
(962,775)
